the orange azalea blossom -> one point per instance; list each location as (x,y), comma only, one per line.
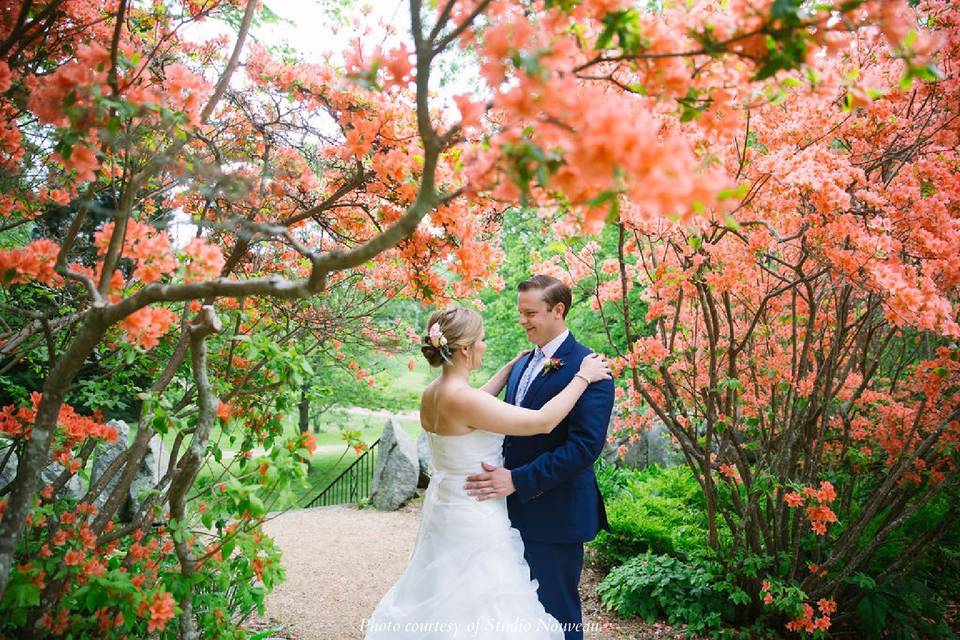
(161,610)
(819,517)
(33,262)
(731,472)
(793,499)
(223,410)
(58,624)
(257,566)
(149,248)
(145,327)
(205,260)
(826,606)
(73,558)
(309,442)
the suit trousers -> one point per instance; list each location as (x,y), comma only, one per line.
(557,567)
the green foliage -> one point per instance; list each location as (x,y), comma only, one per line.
(611,479)
(650,510)
(524,233)
(624,27)
(662,567)
(505,338)
(911,605)
(944,567)
(655,586)
(396,388)
(529,162)
(904,608)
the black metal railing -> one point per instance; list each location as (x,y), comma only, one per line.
(353,483)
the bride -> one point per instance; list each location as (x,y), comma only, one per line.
(467,577)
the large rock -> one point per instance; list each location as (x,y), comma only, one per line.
(9,471)
(654,446)
(153,467)
(396,470)
(423,452)
(73,489)
(106,453)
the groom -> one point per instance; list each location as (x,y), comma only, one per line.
(552,494)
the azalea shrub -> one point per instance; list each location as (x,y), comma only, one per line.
(767,157)
(128,586)
(802,347)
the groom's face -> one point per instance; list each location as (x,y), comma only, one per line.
(541,323)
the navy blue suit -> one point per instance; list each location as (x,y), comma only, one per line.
(557,504)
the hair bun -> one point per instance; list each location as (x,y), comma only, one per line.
(432,354)
(448,331)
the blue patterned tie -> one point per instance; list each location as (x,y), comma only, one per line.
(528,375)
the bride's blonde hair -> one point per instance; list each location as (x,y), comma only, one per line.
(461,328)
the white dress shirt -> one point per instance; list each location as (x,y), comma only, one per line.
(548,350)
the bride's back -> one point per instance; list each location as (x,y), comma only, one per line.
(433,417)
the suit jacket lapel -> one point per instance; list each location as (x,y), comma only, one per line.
(562,352)
(514,379)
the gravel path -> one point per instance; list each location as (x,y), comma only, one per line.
(340,560)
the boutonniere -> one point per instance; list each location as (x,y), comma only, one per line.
(551,364)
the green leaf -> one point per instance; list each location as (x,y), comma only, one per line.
(23,595)
(784,9)
(265,633)
(256,505)
(625,26)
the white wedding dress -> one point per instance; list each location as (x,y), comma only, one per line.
(466,577)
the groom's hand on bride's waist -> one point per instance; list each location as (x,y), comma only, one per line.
(496,482)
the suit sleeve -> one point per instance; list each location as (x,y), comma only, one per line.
(586,434)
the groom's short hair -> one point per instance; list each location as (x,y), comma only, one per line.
(552,291)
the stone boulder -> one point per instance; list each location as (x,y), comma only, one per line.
(9,470)
(73,489)
(106,453)
(396,470)
(153,467)
(654,446)
(423,452)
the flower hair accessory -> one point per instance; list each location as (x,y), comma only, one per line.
(551,364)
(436,336)
(439,342)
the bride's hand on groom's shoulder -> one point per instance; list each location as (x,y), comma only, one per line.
(595,368)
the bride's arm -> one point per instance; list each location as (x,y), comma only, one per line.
(495,384)
(483,411)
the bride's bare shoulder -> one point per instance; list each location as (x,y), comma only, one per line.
(431,388)
(439,393)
